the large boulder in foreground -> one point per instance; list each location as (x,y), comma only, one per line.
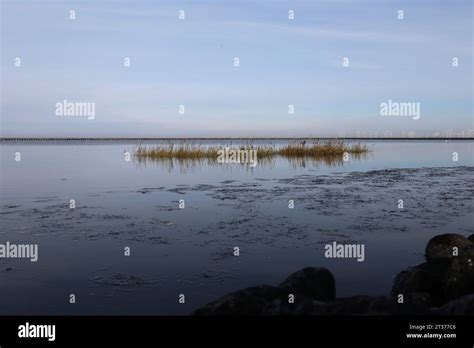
(307,285)
(446,275)
(443,285)
(443,246)
(313,282)
(425,279)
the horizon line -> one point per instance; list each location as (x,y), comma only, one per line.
(7,139)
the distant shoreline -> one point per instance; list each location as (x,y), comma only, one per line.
(40,139)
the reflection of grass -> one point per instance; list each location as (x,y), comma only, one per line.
(325,151)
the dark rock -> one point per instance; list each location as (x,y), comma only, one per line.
(460,306)
(442,246)
(306,285)
(422,299)
(425,278)
(249,301)
(443,285)
(381,305)
(313,282)
(302,306)
(441,280)
(356,305)
(471,238)
(414,298)
(459,277)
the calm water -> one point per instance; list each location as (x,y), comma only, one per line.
(189,251)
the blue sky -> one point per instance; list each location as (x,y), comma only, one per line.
(190,62)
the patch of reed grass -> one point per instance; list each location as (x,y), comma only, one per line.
(318,150)
(197,152)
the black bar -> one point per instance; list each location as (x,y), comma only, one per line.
(224,330)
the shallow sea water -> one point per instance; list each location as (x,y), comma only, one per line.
(134,204)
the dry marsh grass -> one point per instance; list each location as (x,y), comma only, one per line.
(325,151)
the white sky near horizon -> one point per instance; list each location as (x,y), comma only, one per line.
(190,62)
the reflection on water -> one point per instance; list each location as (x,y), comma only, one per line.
(186,165)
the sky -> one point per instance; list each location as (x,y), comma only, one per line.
(190,62)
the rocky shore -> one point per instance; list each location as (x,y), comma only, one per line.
(443,285)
